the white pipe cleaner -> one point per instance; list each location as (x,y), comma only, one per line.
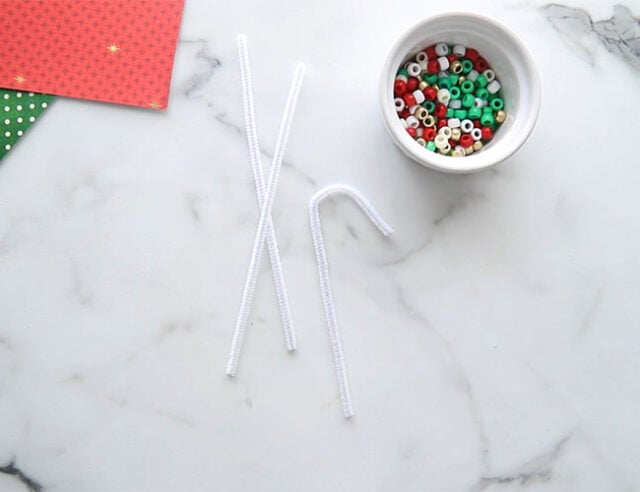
(248,102)
(265,215)
(325,284)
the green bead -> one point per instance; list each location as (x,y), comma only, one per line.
(481,81)
(403,71)
(475,113)
(431,146)
(444,83)
(461,114)
(429,106)
(487,109)
(487,119)
(449,113)
(467,87)
(468,101)
(455,92)
(497,104)
(453,78)
(482,93)
(467,66)
(431,79)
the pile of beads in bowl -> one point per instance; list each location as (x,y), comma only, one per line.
(449,99)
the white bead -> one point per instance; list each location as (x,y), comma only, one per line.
(419,131)
(453,123)
(473,75)
(421,57)
(443,61)
(413,69)
(459,148)
(423,65)
(442,49)
(459,50)
(446,131)
(402,77)
(404,123)
(442,75)
(419,96)
(480,103)
(476,134)
(465,125)
(455,104)
(445,150)
(493,87)
(412,122)
(398,102)
(489,74)
(441,141)
(414,108)
(444,96)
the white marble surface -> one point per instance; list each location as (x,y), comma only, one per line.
(492,342)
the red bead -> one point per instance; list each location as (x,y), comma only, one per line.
(399,87)
(487,133)
(471,54)
(452,57)
(476,123)
(429,133)
(452,142)
(481,64)
(431,52)
(466,140)
(412,132)
(433,66)
(412,84)
(440,110)
(404,114)
(409,100)
(430,93)
(441,123)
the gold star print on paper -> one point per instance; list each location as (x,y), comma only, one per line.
(155,105)
(20,79)
(113,48)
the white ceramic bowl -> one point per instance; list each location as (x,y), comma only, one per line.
(507,56)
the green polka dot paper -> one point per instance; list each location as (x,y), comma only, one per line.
(18,111)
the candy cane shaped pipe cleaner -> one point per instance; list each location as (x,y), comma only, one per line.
(325,284)
(265,214)
(258,176)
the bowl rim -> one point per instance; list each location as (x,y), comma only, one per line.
(481,160)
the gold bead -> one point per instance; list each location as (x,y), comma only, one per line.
(477,145)
(421,141)
(421,113)
(468,150)
(501,116)
(423,85)
(455,134)
(445,150)
(461,79)
(429,121)
(457,153)
(456,66)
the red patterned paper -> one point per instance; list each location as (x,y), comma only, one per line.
(118,51)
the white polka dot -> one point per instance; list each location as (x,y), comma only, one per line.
(6,96)
(20,120)
(7,121)
(7,108)
(7,134)
(30,94)
(32,119)
(20,133)
(44,105)
(19,108)
(19,94)
(8,147)
(32,106)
